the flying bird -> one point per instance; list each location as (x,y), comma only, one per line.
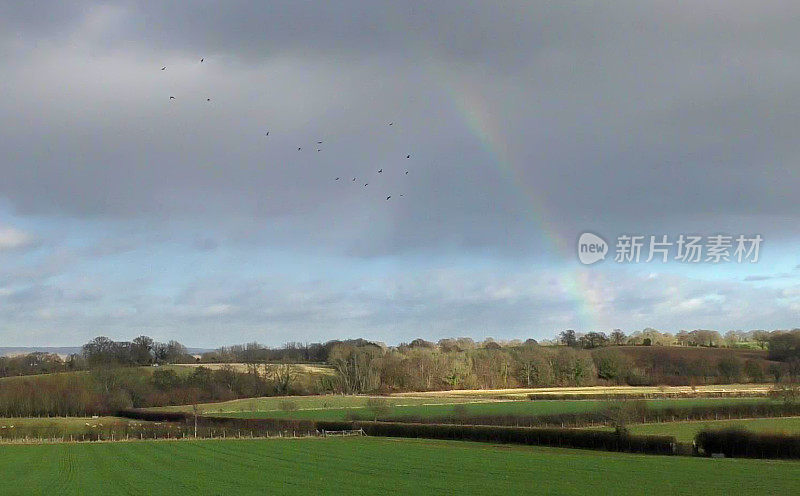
(267,134)
(201,60)
(208,99)
(319,150)
(408,156)
(337,178)
(391,123)
(354,179)
(388,197)
(172,98)
(164,68)
(380,170)
(319,142)
(366,184)
(298,148)
(406,172)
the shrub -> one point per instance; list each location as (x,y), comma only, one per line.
(787,394)
(460,411)
(378,407)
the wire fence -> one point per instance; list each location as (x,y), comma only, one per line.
(348,432)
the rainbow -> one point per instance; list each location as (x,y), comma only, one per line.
(482,121)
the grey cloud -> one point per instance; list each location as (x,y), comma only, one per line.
(607,115)
(527,123)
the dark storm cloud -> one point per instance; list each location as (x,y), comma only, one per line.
(615,116)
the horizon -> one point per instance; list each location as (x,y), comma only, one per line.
(553,340)
(188,173)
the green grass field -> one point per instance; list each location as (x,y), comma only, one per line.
(686,431)
(373,466)
(538,407)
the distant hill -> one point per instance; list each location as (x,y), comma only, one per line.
(66,350)
(24,350)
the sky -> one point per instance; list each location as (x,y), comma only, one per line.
(125,212)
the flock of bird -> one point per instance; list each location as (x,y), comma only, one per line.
(319,143)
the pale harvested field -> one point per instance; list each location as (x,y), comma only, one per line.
(588,391)
(242,367)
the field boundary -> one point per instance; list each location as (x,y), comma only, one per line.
(65,440)
(560,438)
(597,418)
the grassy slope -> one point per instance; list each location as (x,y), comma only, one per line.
(13,378)
(373,466)
(487,408)
(686,431)
(60,421)
(301,368)
(712,355)
(59,426)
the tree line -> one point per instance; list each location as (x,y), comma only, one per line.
(360,366)
(99,352)
(107,390)
(424,366)
(707,338)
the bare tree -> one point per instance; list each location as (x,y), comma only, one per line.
(282,374)
(620,412)
(617,337)
(196,411)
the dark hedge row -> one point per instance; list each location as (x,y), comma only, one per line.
(668,414)
(565,438)
(744,444)
(257,425)
(135,413)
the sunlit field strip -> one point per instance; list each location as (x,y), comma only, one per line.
(538,407)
